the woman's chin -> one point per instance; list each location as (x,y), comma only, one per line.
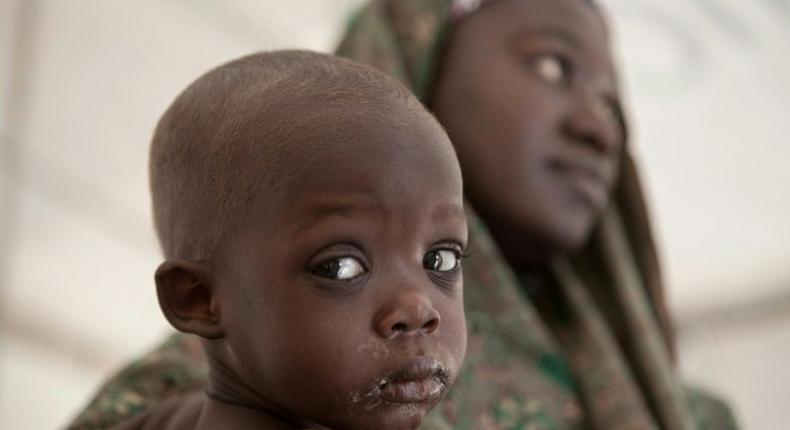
(570,237)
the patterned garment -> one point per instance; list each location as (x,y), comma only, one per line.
(604,362)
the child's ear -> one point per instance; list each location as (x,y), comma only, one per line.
(187,298)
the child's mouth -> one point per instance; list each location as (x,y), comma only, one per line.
(421,380)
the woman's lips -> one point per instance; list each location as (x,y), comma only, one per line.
(421,380)
(587,181)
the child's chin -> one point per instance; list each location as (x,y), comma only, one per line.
(405,416)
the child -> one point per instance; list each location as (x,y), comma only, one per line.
(311,217)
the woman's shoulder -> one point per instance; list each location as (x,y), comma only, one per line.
(174,368)
(178,413)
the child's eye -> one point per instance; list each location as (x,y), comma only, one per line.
(551,68)
(341,269)
(442,260)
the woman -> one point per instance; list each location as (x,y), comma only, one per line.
(567,323)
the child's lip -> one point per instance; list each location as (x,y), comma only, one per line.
(421,380)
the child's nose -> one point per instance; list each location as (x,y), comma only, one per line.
(409,313)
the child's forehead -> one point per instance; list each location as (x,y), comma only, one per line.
(296,131)
(324,151)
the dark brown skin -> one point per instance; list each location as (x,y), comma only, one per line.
(527,93)
(292,346)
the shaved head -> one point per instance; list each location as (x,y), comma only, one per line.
(235,135)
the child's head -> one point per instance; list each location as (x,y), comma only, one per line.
(311,215)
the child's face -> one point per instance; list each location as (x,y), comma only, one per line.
(527,91)
(344,308)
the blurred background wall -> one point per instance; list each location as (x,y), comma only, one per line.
(83,82)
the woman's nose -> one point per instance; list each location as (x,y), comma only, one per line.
(409,313)
(594,122)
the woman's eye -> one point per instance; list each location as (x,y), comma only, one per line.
(441,260)
(341,269)
(551,68)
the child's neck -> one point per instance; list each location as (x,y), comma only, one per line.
(221,414)
(230,403)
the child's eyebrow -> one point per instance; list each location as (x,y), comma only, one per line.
(333,209)
(354,208)
(318,211)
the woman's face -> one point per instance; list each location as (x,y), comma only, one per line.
(527,93)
